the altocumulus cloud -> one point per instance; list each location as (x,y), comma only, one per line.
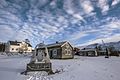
(78,21)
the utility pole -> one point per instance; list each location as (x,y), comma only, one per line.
(107,50)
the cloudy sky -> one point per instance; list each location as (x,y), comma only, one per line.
(80,22)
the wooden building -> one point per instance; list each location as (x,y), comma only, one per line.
(16,46)
(88,52)
(60,50)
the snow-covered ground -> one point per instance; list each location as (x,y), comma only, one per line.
(79,68)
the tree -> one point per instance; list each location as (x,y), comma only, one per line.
(2,47)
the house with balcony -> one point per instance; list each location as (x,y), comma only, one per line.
(17,47)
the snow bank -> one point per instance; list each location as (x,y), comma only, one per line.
(80,68)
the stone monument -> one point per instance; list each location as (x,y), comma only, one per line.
(40,60)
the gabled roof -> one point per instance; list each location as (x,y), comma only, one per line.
(53,44)
(17,43)
(29,45)
(14,43)
(86,50)
(56,44)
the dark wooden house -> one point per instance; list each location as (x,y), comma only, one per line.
(60,50)
(88,52)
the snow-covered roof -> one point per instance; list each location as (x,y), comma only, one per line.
(52,45)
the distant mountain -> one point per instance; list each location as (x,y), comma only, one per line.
(115,45)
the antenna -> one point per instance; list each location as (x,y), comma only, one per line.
(103,43)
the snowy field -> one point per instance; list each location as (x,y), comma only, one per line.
(79,68)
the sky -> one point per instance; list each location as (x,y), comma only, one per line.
(81,22)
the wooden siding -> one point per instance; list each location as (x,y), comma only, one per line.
(64,51)
(67,51)
(55,53)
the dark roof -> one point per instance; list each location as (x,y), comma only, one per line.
(88,50)
(29,45)
(14,42)
(54,44)
(17,43)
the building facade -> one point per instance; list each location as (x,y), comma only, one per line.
(60,50)
(15,46)
(88,52)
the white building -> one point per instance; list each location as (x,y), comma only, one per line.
(15,46)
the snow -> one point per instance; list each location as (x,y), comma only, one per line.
(79,68)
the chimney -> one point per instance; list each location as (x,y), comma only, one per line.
(57,42)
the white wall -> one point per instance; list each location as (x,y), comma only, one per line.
(15,48)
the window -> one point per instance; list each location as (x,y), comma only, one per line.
(16,49)
(12,48)
(55,52)
(67,52)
